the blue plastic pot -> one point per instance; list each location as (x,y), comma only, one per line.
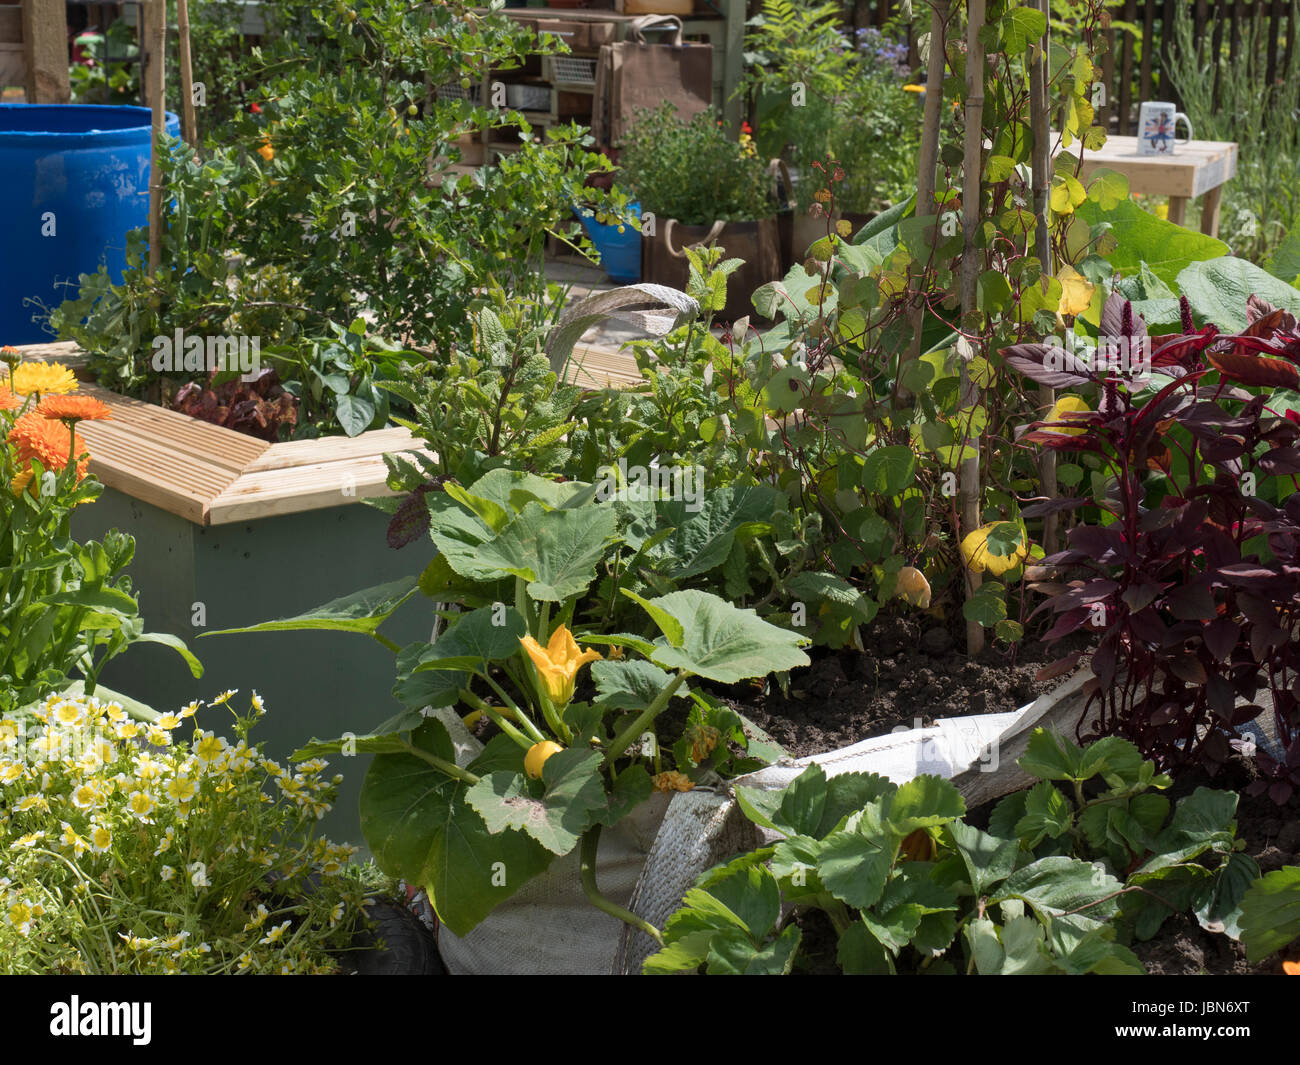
(75,181)
(620,253)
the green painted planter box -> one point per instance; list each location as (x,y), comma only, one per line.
(217,565)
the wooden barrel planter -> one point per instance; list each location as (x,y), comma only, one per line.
(758,243)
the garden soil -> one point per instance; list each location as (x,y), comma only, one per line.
(909,675)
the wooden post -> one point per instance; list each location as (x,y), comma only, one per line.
(45,52)
(1041,169)
(926,164)
(972,175)
(155,39)
(189,126)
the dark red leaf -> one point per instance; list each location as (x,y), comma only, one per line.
(1257,371)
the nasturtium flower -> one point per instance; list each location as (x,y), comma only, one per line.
(558,663)
(995,548)
(912,587)
(1076,291)
(1061,409)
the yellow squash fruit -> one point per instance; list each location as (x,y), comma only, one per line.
(537,755)
(978,557)
(912,587)
(1066,405)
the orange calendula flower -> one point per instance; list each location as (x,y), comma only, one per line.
(672,781)
(1291,968)
(558,663)
(43,377)
(48,442)
(73,409)
(8,401)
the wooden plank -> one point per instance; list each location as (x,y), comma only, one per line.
(1124,98)
(13,70)
(300,488)
(1221,15)
(1148,48)
(332,449)
(1108,82)
(210,444)
(45,52)
(1274,32)
(11,24)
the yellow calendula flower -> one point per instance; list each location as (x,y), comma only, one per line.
(1076,291)
(558,663)
(980,557)
(43,377)
(912,587)
(1064,406)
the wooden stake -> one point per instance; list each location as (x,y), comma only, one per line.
(45,52)
(155,38)
(189,125)
(1041,165)
(972,173)
(927,162)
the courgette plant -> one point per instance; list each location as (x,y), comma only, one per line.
(560,769)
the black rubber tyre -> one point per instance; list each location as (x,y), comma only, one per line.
(397,944)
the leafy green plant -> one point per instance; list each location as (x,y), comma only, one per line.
(692,171)
(561,767)
(1058,883)
(339,381)
(1270,913)
(336,198)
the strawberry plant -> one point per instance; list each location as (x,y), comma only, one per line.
(1057,884)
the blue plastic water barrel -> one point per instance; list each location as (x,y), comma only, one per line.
(74,180)
(620,253)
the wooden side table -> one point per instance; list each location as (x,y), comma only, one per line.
(1200,168)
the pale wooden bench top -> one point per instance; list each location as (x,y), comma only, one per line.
(211,475)
(1191,170)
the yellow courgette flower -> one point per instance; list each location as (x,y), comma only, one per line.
(1062,407)
(1076,291)
(558,663)
(978,557)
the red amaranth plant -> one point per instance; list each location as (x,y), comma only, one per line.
(1186,568)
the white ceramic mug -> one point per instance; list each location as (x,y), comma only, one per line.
(1156,124)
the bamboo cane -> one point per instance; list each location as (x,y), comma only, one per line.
(927,161)
(1040,162)
(155,13)
(972,173)
(189,125)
